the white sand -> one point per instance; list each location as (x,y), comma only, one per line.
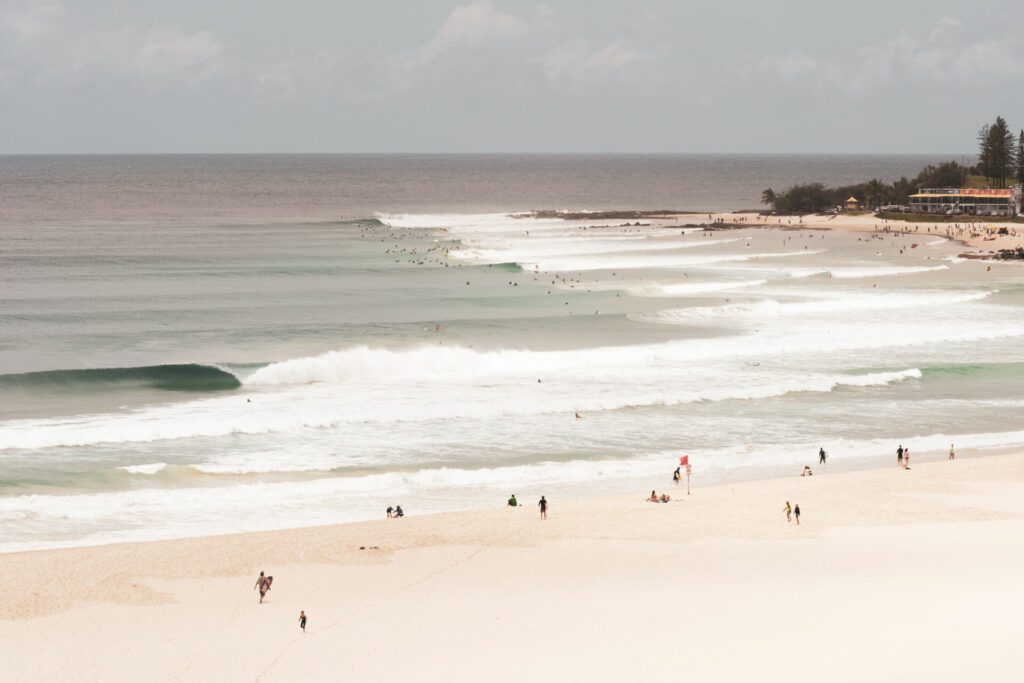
(893,575)
(977,235)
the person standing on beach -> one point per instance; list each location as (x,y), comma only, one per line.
(676,476)
(899,456)
(952,453)
(821,456)
(796,513)
(302,620)
(789,513)
(543,505)
(906,458)
(263,584)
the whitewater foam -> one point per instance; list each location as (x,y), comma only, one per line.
(774,308)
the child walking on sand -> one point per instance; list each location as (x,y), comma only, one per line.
(302,620)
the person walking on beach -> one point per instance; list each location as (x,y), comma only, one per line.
(952,453)
(302,620)
(796,513)
(899,456)
(906,458)
(821,456)
(789,513)
(263,583)
(543,505)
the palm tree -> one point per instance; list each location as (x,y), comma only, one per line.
(768,197)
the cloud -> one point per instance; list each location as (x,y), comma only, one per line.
(943,54)
(45,45)
(473,27)
(171,53)
(789,65)
(577,62)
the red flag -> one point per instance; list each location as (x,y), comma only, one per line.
(684,460)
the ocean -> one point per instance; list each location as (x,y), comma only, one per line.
(195,345)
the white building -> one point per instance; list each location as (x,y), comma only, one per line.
(971,202)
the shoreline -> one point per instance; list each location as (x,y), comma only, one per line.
(983,248)
(515,591)
(981,235)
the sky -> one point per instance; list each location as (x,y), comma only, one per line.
(194,76)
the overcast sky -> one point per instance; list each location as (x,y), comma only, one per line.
(506,75)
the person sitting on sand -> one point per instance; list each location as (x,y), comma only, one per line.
(512,502)
(664,498)
(807,471)
(653,498)
(398,511)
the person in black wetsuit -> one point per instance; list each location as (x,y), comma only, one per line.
(821,456)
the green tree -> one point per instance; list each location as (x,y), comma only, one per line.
(1020,157)
(875,193)
(984,152)
(768,197)
(999,151)
(946,174)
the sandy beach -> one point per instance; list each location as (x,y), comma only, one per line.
(891,575)
(978,236)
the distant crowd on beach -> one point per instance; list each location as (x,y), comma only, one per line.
(792,510)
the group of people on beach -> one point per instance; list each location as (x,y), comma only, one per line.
(655,498)
(395,512)
(542,504)
(263,583)
(793,511)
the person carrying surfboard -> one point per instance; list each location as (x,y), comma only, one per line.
(263,583)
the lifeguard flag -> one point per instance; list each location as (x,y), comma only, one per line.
(684,460)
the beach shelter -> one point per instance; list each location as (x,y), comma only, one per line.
(852,204)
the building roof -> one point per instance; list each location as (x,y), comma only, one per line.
(964,192)
(852,199)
